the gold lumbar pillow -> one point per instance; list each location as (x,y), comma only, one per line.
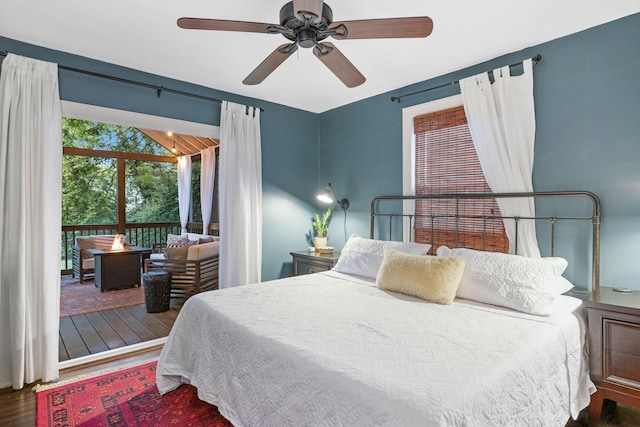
(428,277)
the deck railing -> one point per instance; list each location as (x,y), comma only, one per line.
(139,234)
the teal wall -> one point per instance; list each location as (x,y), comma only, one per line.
(587,96)
(289,140)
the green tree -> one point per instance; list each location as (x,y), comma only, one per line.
(152,192)
(90,183)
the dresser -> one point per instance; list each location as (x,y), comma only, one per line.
(305,262)
(614,348)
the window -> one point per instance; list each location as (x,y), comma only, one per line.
(444,160)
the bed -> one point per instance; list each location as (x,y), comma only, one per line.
(333,349)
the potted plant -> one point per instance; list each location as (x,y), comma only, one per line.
(320,227)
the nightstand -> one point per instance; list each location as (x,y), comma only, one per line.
(305,262)
(614,348)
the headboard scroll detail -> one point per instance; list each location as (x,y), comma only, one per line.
(388,207)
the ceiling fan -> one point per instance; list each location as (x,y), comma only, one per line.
(307,23)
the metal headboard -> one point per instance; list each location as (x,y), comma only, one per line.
(379,202)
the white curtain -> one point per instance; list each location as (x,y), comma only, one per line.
(184,190)
(207,178)
(502,124)
(30,220)
(240,188)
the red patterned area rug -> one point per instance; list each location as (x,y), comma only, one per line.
(78,298)
(124,398)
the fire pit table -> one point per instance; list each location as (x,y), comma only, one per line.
(118,269)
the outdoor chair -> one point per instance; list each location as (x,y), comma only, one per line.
(83,261)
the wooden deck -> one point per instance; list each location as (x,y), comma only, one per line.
(96,332)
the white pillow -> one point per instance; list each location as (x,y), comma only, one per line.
(521,283)
(557,286)
(362,257)
(563,304)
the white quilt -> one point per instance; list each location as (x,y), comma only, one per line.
(329,349)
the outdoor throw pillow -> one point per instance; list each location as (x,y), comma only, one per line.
(176,241)
(177,253)
(85,242)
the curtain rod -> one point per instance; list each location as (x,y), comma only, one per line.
(397,99)
(158,89)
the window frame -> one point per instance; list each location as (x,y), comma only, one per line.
(408,160)
(409,164)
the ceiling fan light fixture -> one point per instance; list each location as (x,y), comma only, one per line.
(307,37)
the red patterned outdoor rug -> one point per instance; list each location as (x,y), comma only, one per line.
(124,398)
(77,298)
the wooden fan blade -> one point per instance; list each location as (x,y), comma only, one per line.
(310,9)
(419,26)
(270,63)
(224,25)
(338,64)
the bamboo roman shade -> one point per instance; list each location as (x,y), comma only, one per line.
(446,162)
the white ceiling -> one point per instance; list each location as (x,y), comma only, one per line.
(143,35)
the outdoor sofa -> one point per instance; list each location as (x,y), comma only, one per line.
(193,267)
